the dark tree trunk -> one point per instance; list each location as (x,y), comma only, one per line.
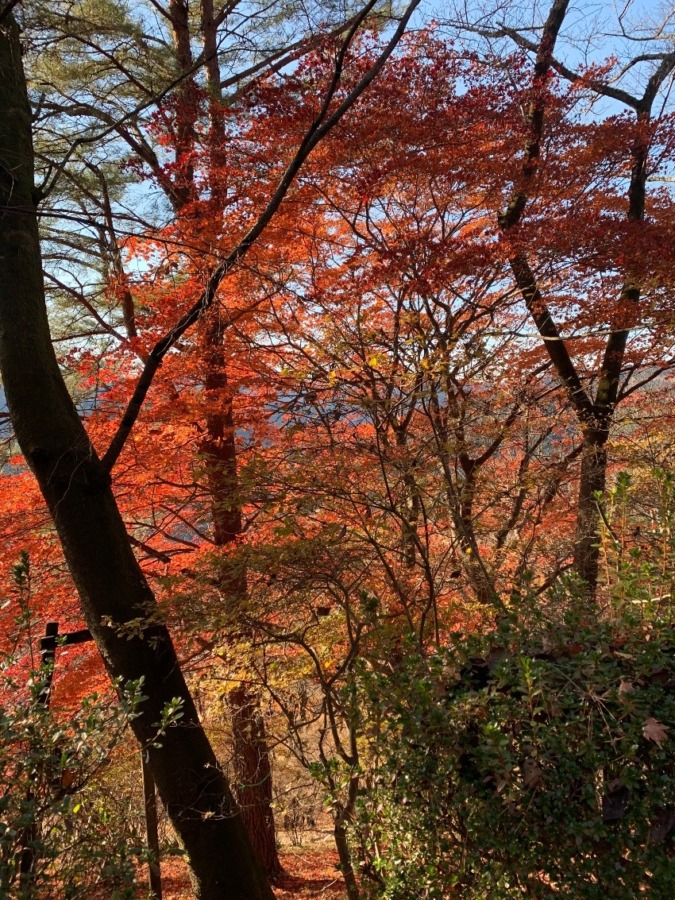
(112,588)
(592,486)
(341,817)
(183,185)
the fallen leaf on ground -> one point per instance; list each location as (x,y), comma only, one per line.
(654,731)
(531,774)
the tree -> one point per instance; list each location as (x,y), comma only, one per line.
(594,405)
(406,310)
(77,491)
(114,593)
(211,57)
(366,444)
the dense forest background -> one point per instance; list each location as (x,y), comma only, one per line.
(337,346)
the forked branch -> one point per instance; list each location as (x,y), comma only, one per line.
(320,127)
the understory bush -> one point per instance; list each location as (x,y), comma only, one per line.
(536,759)
(61,834)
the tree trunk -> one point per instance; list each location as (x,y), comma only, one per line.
(595,416)
(592,486)
(116,599)
(341,816)
(254,775)
(250,760)
(340,835)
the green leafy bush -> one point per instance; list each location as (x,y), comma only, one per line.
(60,834)
(537,759)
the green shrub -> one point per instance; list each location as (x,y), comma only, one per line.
(60,834)
(537,759)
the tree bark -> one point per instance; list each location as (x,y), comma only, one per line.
(341,817)
(254,775)
(592,485)
(250,760)
(218,449)
(117,602)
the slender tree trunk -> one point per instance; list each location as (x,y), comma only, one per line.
(218,447)
(254,775)
(341,817)
(114,593)
(185,99)
(346,867)
(251,756)
(479,578)
(592,486)
(250,760)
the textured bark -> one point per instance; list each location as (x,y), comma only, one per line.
(592,486)
(342,844)
(341,818)
(254,776)
(183,184)
(251,760)
(461,493)
(76,488)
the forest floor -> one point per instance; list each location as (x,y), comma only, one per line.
(309,872)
